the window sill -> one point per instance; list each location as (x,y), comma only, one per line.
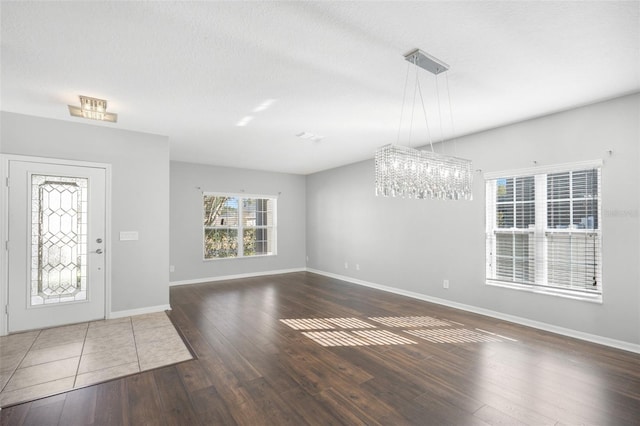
(595,298)
(238,258)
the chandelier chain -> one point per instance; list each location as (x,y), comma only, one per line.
(413,104)
(404,97)
(453,133)
(424,110)
(439,113)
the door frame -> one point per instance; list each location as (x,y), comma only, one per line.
(4,227)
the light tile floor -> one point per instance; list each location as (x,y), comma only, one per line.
(41,363)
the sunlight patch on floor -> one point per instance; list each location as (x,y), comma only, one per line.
(361,333)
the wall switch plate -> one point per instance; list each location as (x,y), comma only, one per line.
(128,235)
(445,284)
(172,268)
(357,266)
(346,265)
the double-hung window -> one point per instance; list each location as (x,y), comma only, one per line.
(237,225)
(543,230)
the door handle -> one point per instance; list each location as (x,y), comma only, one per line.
(98,251)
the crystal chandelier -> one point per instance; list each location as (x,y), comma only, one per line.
(405,172)
(402,171)
(92,108)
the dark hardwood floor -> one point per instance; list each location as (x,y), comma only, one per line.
(253,369)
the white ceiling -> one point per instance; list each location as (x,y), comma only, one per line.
(192,70)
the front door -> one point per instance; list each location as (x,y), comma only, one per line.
(56,244)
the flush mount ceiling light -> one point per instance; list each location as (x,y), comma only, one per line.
(94,109)
(402,171)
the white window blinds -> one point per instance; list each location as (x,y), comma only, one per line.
(543,230)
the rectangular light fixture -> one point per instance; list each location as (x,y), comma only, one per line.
(405,172)
(94,109)
(402,171)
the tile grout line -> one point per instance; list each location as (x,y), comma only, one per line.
(135,344)
(21,361)
(84,341)
(106,368)
(83,348)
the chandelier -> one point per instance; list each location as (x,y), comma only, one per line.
(92,108)
(402,171)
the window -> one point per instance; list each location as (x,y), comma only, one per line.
(543,230)
(239,226)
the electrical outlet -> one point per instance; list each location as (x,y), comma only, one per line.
(307,258)
(346,265)
(172,268)
(445,284)
(357,266)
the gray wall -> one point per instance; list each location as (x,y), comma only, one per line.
(188,181)
(140,195)
(413,245)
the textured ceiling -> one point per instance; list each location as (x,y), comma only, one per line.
(192,70)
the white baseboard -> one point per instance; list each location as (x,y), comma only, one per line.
(139,311)
(236,276)
(618,344)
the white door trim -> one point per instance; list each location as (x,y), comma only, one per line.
(4,226)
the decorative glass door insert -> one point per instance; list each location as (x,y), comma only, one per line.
(58,239)
(56,251)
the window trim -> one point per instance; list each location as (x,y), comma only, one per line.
(550,291)
(537,172)
(240,228)
(546,169)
